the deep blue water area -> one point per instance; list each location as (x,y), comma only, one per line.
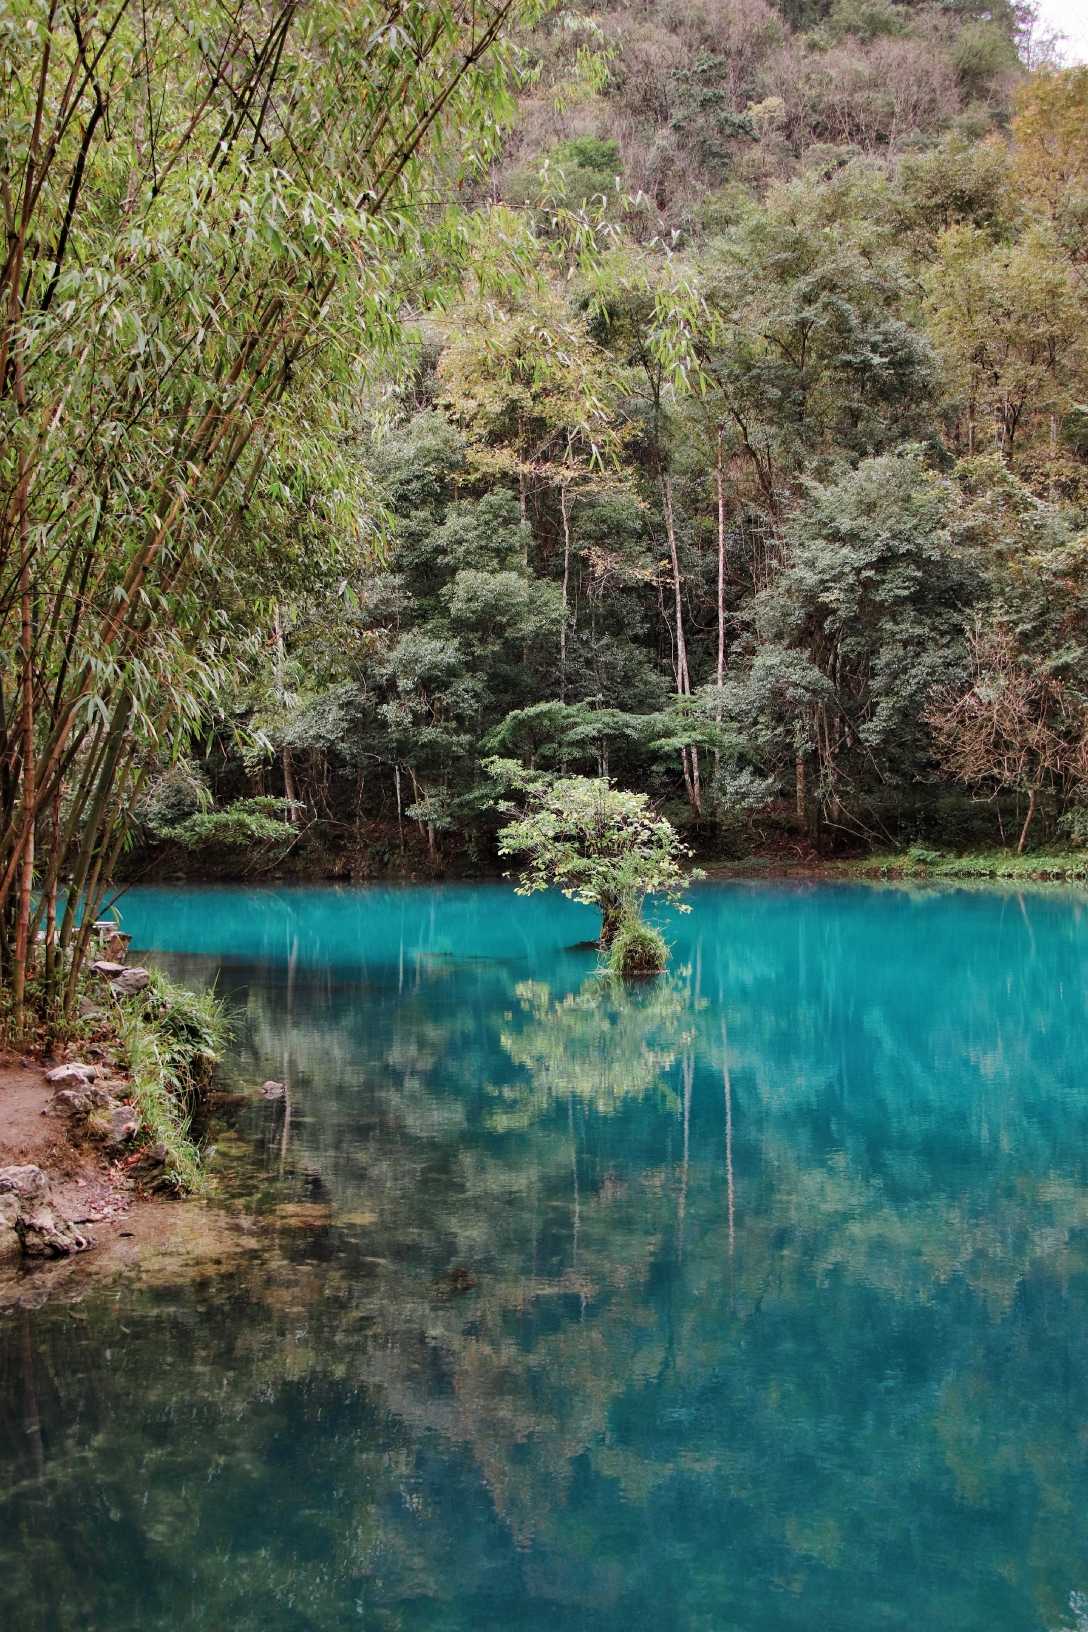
(751,1299)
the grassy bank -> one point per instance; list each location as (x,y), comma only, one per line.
(917,862)
(169,1039)
(163,1042)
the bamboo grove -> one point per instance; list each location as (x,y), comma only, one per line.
(209,208)
(688,394)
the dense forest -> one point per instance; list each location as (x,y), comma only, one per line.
(690,394)
(751,473)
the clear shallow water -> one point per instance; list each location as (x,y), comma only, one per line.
(781,1306)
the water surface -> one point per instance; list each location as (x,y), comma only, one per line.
(780,1307)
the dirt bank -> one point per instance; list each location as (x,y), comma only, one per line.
(89,1187)
(93,1188)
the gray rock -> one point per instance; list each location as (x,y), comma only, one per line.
(124,1124)
(70,1076)
(78,1101)
(90,1011)
(130,981)
(272,1090)
(41,1231)
(152,1158)
(108,970)
(155,1169)
(10,1245)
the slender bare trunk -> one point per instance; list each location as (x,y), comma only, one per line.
(801,795)
(51,903)
(683,678)
(564,511)
(690,756)
(1027,823)
(281,668)
(524,507)
(26,882)
(721,575)
(721,598)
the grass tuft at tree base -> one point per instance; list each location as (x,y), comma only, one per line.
(637,950)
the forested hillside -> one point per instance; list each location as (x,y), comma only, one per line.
(734,445)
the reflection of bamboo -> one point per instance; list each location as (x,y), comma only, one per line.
(574,1170)
(728,1137)
(292,963)
(33,1428)
(689,1073)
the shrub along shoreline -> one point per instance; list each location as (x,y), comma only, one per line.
(159,1046)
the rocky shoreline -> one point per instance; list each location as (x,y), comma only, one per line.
(66,1157)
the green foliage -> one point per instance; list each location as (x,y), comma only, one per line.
(699,497)
(214,223)
(246,821)
(173,796)
(857,630)
(171,1040)
(596,843)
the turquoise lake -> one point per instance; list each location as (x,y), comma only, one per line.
(772,1312)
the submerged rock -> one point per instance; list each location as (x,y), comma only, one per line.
(453,1282)
(154,1168)
(273,1090)
(27,1201)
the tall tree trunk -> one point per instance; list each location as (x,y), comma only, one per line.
(51,905)
(26,882)
(721,598)
(721,575)
(801,792)
(524,508)
(564,511)
(690,756)
(1027,823)
(281,667)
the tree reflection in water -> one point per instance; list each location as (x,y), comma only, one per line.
(778,1315)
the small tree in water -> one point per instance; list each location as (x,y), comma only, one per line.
(598,845)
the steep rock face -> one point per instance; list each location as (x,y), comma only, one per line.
(29,1222)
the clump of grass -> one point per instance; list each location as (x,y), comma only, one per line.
(171,1040)
(637,950)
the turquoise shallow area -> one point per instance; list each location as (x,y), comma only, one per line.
(776,1308)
